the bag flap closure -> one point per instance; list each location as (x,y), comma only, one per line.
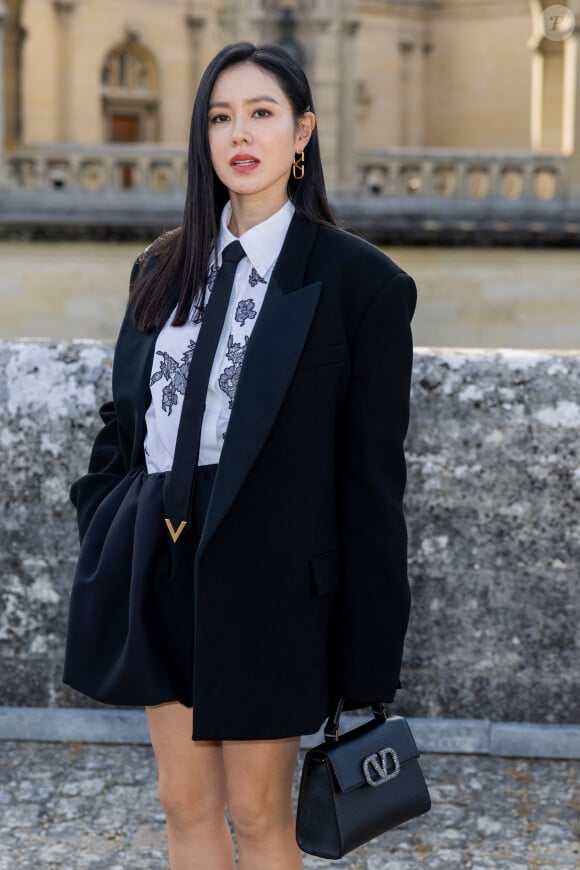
(384,746)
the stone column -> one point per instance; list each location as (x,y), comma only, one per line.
(419,89)
(64,10)
(415,84)
(406,50)
(413,53)
(324,79)
(346,175)
(571,110)
(537,77)
(3,15)
(195,26)
(537,107)
(13,40)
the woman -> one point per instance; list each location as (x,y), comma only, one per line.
(288,588)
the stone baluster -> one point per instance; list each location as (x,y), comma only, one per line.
(494,170)
(74,170)
(109,164)
(562,173)
(392,169)
(143,173)
(460,186)
(527,169)
(394,185)
(41,181)
(427,178)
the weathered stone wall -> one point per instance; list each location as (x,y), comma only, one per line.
(493,510)
(494,517)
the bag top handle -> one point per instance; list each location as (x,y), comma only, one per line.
(380,711)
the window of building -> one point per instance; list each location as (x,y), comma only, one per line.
(130,67)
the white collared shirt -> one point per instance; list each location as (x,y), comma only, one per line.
(174,346)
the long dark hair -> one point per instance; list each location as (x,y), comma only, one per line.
(182,256)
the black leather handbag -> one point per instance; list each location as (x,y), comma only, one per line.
(359,785)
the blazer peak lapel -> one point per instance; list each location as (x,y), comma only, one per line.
(271,356)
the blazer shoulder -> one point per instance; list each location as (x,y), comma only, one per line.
(351,253)
(360,274)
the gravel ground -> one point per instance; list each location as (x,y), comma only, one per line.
(73,806)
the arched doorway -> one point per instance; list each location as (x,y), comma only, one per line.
(130,95)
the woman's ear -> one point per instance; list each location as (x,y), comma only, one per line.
(306,124)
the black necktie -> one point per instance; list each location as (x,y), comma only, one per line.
(179,483)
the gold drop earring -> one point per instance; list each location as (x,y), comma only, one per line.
(298,166)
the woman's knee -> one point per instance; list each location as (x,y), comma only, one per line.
(258,778)
(187,805)
(191,784)
(257,812)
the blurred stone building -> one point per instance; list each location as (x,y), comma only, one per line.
(437,101)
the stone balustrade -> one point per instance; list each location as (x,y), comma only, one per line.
(433,196)
(445,173)
(418,174)
(493,507)
(97,169)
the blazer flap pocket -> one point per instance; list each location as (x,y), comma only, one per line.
(312,357)
(325,571)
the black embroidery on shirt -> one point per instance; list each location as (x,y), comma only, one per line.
(255,278)
(175,373)
(228,380)
(211,276)
(246,310)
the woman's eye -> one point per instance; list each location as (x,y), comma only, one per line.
(218,119)
(262,113)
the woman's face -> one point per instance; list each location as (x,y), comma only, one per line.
(253,136)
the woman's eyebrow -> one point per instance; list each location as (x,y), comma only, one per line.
(264,98)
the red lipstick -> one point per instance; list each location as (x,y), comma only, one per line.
(244,162)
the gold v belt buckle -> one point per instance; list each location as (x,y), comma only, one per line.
(175,533)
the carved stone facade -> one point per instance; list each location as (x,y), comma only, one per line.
(98,71)
(476,74)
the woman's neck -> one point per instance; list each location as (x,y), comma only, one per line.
(247,212)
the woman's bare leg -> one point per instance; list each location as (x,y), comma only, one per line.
(191,790)
(259,776)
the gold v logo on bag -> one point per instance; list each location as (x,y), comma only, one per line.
(175,533)
(378,762)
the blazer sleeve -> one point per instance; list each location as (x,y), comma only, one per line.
(106,465)
(106,469)
(375,596)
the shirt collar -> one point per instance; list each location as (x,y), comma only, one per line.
(261,243)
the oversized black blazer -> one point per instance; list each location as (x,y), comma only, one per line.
(301,590)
